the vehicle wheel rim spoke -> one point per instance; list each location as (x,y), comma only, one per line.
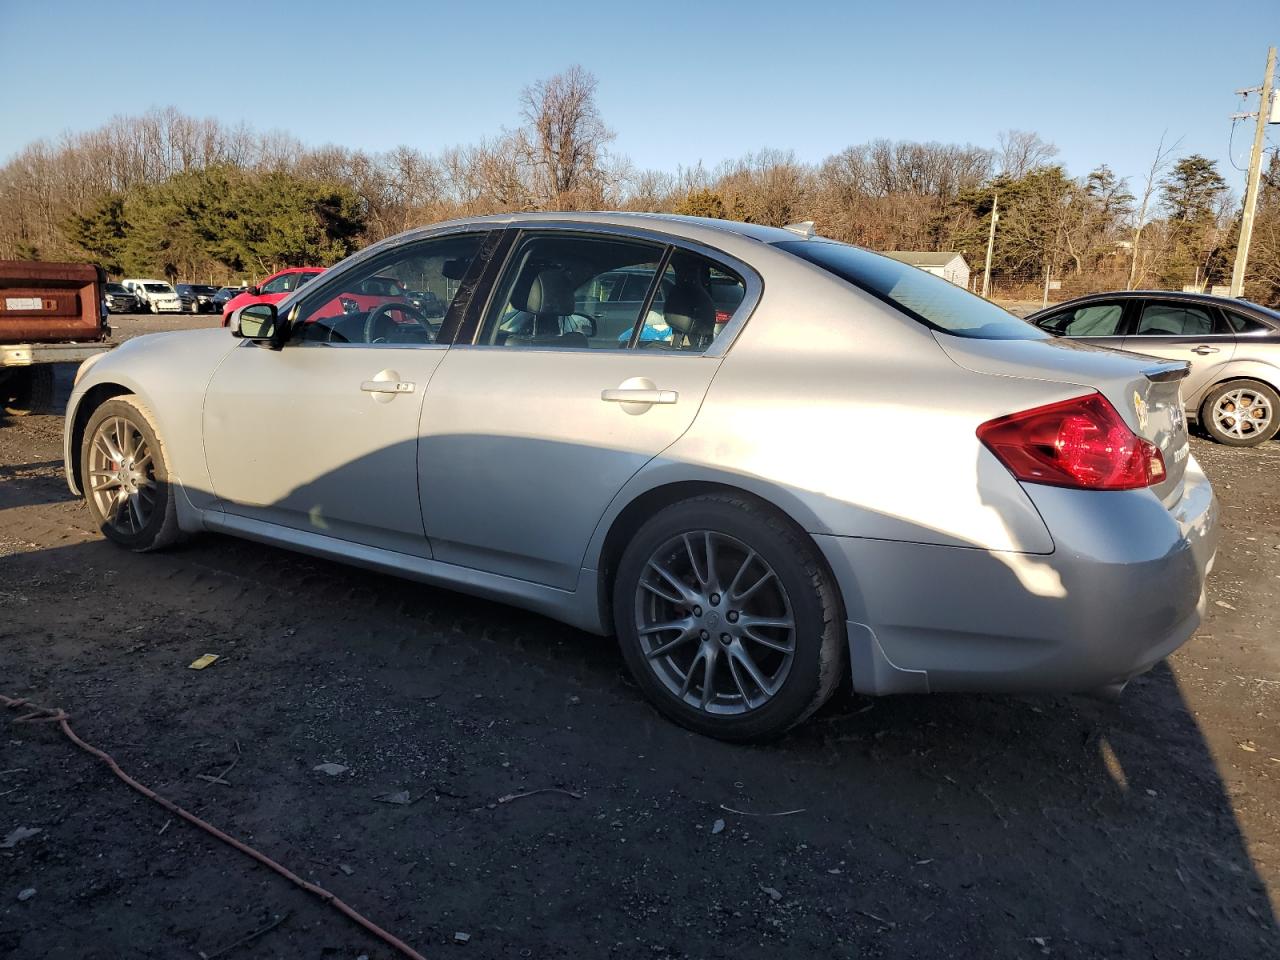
(121,476)
(1242,414)
(722,651)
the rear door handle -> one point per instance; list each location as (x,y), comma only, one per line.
(387,386)
(638,395)
(1204,350)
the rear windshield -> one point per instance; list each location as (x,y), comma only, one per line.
(933,301)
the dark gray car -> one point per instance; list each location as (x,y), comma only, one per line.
(1233,347)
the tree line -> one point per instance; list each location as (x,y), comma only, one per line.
(195,199)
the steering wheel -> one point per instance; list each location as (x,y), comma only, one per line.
(589,329)
(403,306)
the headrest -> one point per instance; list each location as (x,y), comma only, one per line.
(690,310)
(545,292)
(456,268)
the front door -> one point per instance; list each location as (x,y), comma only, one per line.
(322,435)
(1098,322)
(530,432)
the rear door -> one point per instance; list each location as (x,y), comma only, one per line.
(529,432)
(1183,330)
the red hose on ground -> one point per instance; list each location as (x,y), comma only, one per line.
(40,714)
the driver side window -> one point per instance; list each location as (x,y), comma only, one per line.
(400,298)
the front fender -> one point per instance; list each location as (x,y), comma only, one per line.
(169,372)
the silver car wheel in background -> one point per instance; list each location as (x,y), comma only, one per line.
(715,623)
(1243,413)
(122,475)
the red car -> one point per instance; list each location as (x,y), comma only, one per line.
(272,290)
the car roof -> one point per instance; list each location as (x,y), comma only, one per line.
(703,229)
(1183,296)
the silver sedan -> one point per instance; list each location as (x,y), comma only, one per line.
(763,460)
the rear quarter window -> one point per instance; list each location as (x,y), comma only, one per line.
(1239,323)
(931,300)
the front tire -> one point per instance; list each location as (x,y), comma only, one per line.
(1242,413)
(125,476)
(727,618)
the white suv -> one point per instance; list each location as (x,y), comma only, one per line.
(155,296)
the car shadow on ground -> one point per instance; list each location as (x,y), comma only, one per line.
(909,826)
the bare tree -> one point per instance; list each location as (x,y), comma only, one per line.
(1021,151)
(1158,164)
(564,138)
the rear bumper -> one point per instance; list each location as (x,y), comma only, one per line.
(1123,588)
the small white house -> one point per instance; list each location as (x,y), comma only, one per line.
(946,264)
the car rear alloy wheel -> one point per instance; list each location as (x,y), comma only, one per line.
(727,618)
(125,478)
(715,622)
(1242,414)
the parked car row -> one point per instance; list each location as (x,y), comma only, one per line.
(140,295)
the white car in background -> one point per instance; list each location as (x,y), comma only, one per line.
(155,296)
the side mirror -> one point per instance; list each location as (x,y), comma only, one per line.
(255,322)
(253,291)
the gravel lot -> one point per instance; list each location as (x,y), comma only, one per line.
(944,826)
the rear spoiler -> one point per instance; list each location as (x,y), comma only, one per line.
(1170,372)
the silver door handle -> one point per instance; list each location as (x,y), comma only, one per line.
(387,386)
(1204,350)
(624,395)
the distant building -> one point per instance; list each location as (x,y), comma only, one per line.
(946,264)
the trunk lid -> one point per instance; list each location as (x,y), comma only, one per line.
(1145,391)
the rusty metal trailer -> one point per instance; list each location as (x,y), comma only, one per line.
(49,313)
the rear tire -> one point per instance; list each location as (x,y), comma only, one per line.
(28,390)
(1241,413)
(125,476)
(760,641)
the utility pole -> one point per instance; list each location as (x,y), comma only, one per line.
(991,242)
(1255,173)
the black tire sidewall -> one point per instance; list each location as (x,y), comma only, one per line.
(147,537)
(791,560)
(1206,413)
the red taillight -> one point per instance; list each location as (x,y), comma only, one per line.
(1081,442)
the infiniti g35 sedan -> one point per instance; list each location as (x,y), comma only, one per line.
(804,462)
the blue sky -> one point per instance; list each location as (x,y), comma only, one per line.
(679,82)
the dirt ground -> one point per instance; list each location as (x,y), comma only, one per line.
(942,826)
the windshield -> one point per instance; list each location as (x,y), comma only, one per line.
(158,288)
(933,301)
(116,288)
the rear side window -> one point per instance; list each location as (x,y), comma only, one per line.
(695,300)
(1174,320)
(935,302)
(1094,320)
